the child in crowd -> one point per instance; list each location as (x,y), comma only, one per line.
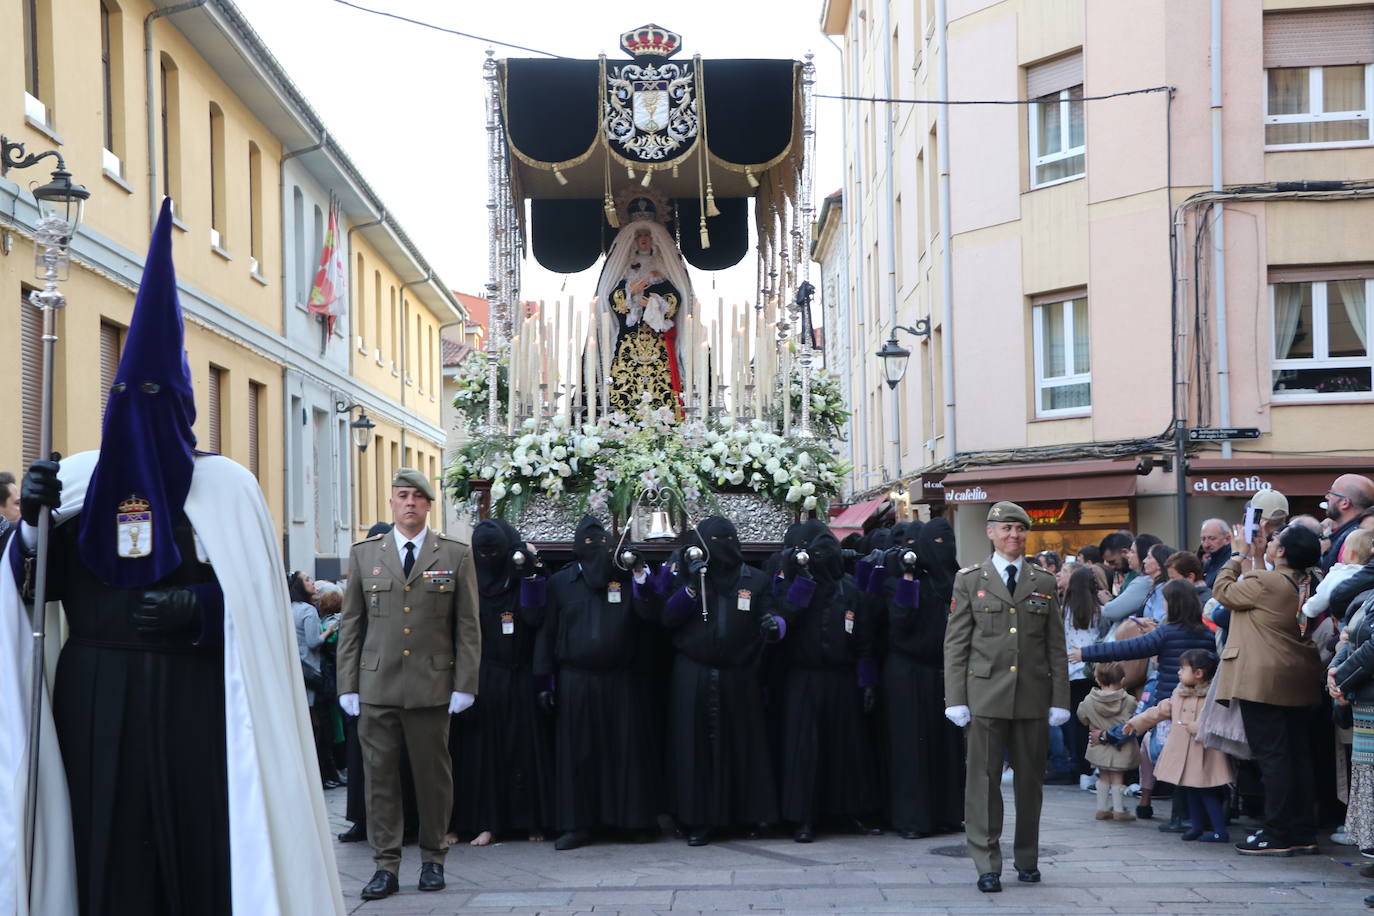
(1201,773)
(1106,706)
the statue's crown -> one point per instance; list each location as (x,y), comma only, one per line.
(650,41)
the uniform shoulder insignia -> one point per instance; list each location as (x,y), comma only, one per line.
(451,539)
(969,569)
(375,537)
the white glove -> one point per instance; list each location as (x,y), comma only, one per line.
(959,715)
(1058,716)
(348,702)
(459,702)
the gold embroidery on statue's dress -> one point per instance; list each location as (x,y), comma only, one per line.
(618,301)
(641,364)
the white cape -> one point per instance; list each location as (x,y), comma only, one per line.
(280,850)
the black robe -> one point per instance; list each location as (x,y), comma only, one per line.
(502,755)
(719,760)
(607,727)
(140,720)
(827,763)
(926,763)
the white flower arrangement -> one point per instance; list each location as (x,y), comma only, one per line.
(471,382)
(605,465)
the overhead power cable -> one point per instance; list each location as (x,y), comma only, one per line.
(1086,98)
(440,28)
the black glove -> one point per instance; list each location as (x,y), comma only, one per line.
(636,561)
(695,569)
(546,702)
(875,557)
(892,558)
(870,699)
(41,489)
(768,626)
(167,612)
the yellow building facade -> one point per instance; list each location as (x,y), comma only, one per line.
(251,172)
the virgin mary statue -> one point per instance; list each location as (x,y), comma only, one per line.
(645,287)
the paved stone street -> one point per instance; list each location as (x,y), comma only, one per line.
(1089,867)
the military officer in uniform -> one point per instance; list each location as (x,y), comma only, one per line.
(409,648)
(1006,671)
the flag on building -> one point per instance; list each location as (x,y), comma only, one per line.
(327,294)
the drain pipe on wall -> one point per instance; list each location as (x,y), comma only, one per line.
(155,199)
(946,221)
(1219,235)
(889,219)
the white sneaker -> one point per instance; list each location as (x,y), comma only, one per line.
(1008,776)
(1133,790)
(1087,783)
(1341,838)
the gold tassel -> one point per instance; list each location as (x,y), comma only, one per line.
(630,172)
(749,177)
(711,208)
(648,177)
(705,236)
(611,215)
(559,177)
(674,169)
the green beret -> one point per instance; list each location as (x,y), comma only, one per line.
(1008,512)
(409,477)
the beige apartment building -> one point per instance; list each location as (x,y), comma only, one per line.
(153,98)
(1165,228)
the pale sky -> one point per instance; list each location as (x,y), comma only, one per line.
(406,102)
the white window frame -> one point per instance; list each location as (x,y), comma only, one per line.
(1320,346)
(1066,152)
(1314,113)
(1071,377)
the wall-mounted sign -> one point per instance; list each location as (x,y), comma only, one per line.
(1230,485)
(1047,514)
(974,494)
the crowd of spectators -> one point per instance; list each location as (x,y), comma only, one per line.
(1247,667)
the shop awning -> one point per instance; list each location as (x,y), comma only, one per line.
(1241,477)
(1096,479)
(852,518)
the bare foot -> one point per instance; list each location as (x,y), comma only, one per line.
(536,837)
(482,839)
(450,839)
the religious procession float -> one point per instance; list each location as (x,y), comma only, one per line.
(642,403)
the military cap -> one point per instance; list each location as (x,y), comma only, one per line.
(1008,512)
(409,477)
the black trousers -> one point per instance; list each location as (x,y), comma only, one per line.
(1278,737)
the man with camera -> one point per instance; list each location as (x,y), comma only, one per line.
(409,650)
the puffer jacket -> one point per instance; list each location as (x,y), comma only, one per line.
(1355,675)
(1168,642)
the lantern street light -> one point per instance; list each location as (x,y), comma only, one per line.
(362,427)
(895,356)
(61,204)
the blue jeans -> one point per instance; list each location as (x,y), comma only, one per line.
(1061,760)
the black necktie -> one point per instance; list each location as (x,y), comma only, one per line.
(1011,578)
(409,563)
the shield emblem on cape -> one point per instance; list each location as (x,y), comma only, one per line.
(650,106)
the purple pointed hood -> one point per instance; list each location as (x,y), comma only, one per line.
(147,446)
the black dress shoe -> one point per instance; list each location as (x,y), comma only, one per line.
(332,784)
(1174,826)
(756,831)
(355,834)
(804,834)
(383,884)
(1028,875)
(573,839)
(699,837)
(990,883)
(914,835)
(431,876)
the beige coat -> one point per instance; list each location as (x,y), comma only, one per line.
(1004,654)
(1184,761)
(1100,710)
(1266,659)
(409,641)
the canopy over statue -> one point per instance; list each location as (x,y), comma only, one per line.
(638,393)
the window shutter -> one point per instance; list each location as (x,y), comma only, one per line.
(1319,38)
(109,361)
(1054,75)
(254,395)
(31,387)
(213,396)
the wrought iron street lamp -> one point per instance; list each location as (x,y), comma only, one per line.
(362,427)
(895,356)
